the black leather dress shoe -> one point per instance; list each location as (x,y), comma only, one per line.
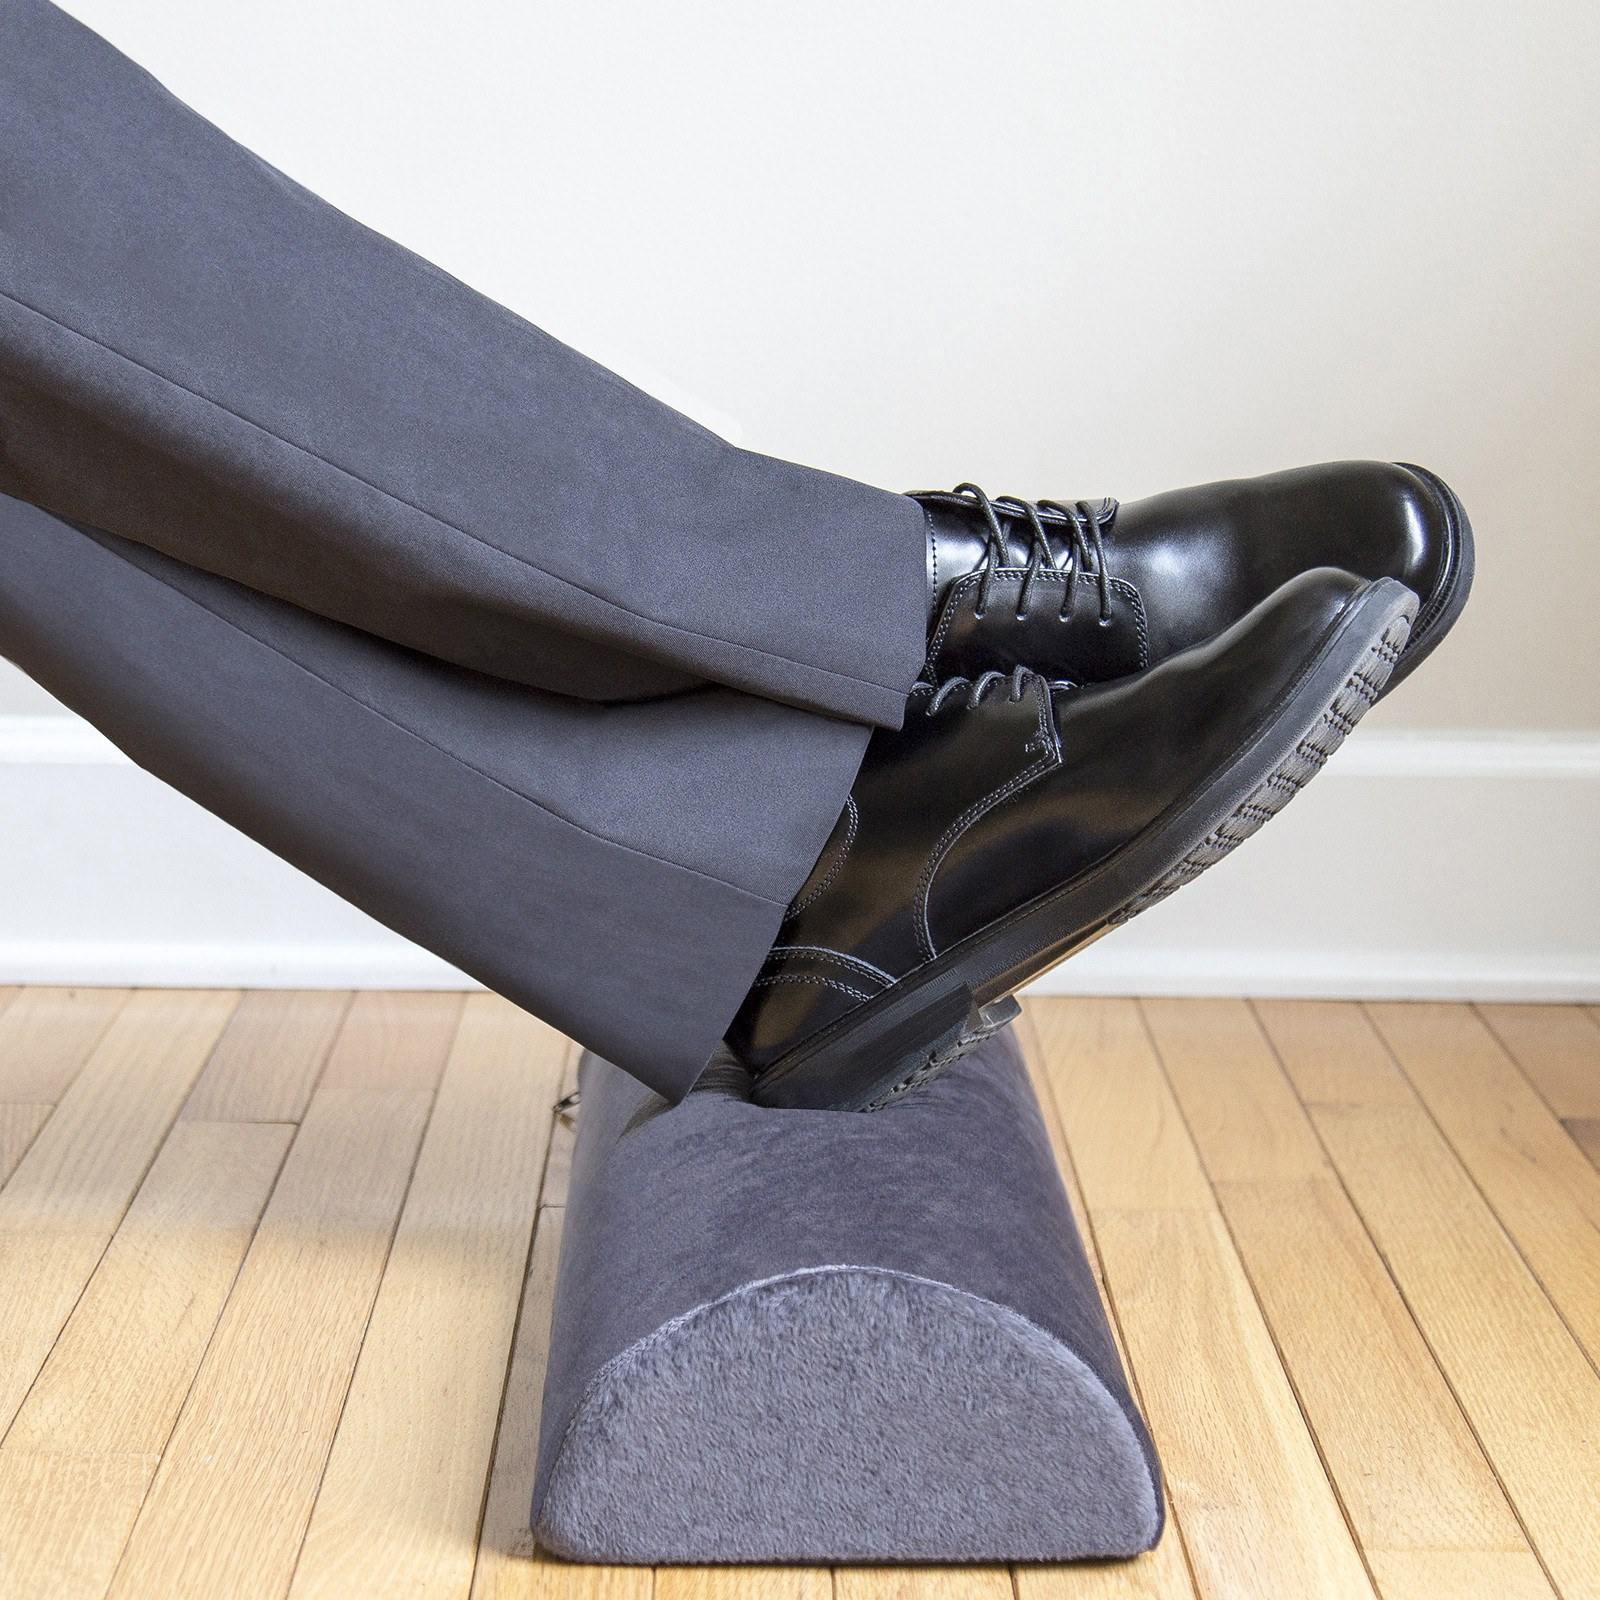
(1095,590)
(1013,820)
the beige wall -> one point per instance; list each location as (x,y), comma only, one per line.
(1060,248)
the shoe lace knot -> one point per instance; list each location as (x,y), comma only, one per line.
(1083,544)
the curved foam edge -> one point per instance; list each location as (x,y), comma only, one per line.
(848,1413)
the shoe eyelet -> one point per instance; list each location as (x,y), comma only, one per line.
(1106,621)
(978,612)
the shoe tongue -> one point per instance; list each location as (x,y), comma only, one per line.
(957,539)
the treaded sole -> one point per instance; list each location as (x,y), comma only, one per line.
(1358,696)
(988,1006)
(986,1021)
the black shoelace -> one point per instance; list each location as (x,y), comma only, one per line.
(1081,528)
(1016,683)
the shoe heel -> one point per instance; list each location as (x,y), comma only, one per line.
(886,1058)
(980,1023)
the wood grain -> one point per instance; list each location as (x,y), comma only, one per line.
(1585,1133)
(1258,1514)
(510,1565)
(234,1491)
(46,1035)
(749,1583)
(1523,1383)
(19,1127)
(268,1059)
(78,1461)
(922,1583)
(68,1194)
(1163,1573)
(1558,1048)
(399,1503)
(1410,1475)
(1538,1181)
(1345,1269)
(1129,1145)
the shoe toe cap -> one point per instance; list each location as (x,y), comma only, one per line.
(1399,521)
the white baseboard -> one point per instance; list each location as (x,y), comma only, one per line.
(1423,866)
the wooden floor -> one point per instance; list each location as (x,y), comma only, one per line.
(275,1274)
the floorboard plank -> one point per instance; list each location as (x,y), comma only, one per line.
(1128,1142)
(1585,1133)
(399,1503)
(1558,1048)
(1156,1576)
(78,1461)
(510,1565)
(1459,1575)
(743,1583)
(1259,1516)
(1410,1475)
(68,1194)
(231,1499)
(1523,1382)
(1330,1253)
(922,1583)
(1163,1573)
(19,1127)
(46,1035)
(267,1061)
(1538,1182)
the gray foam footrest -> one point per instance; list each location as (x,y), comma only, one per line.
(823,1336)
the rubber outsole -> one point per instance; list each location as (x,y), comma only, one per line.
(894,1044)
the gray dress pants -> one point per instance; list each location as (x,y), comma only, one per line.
(531,667)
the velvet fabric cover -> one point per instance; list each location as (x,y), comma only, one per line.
(827,1336)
